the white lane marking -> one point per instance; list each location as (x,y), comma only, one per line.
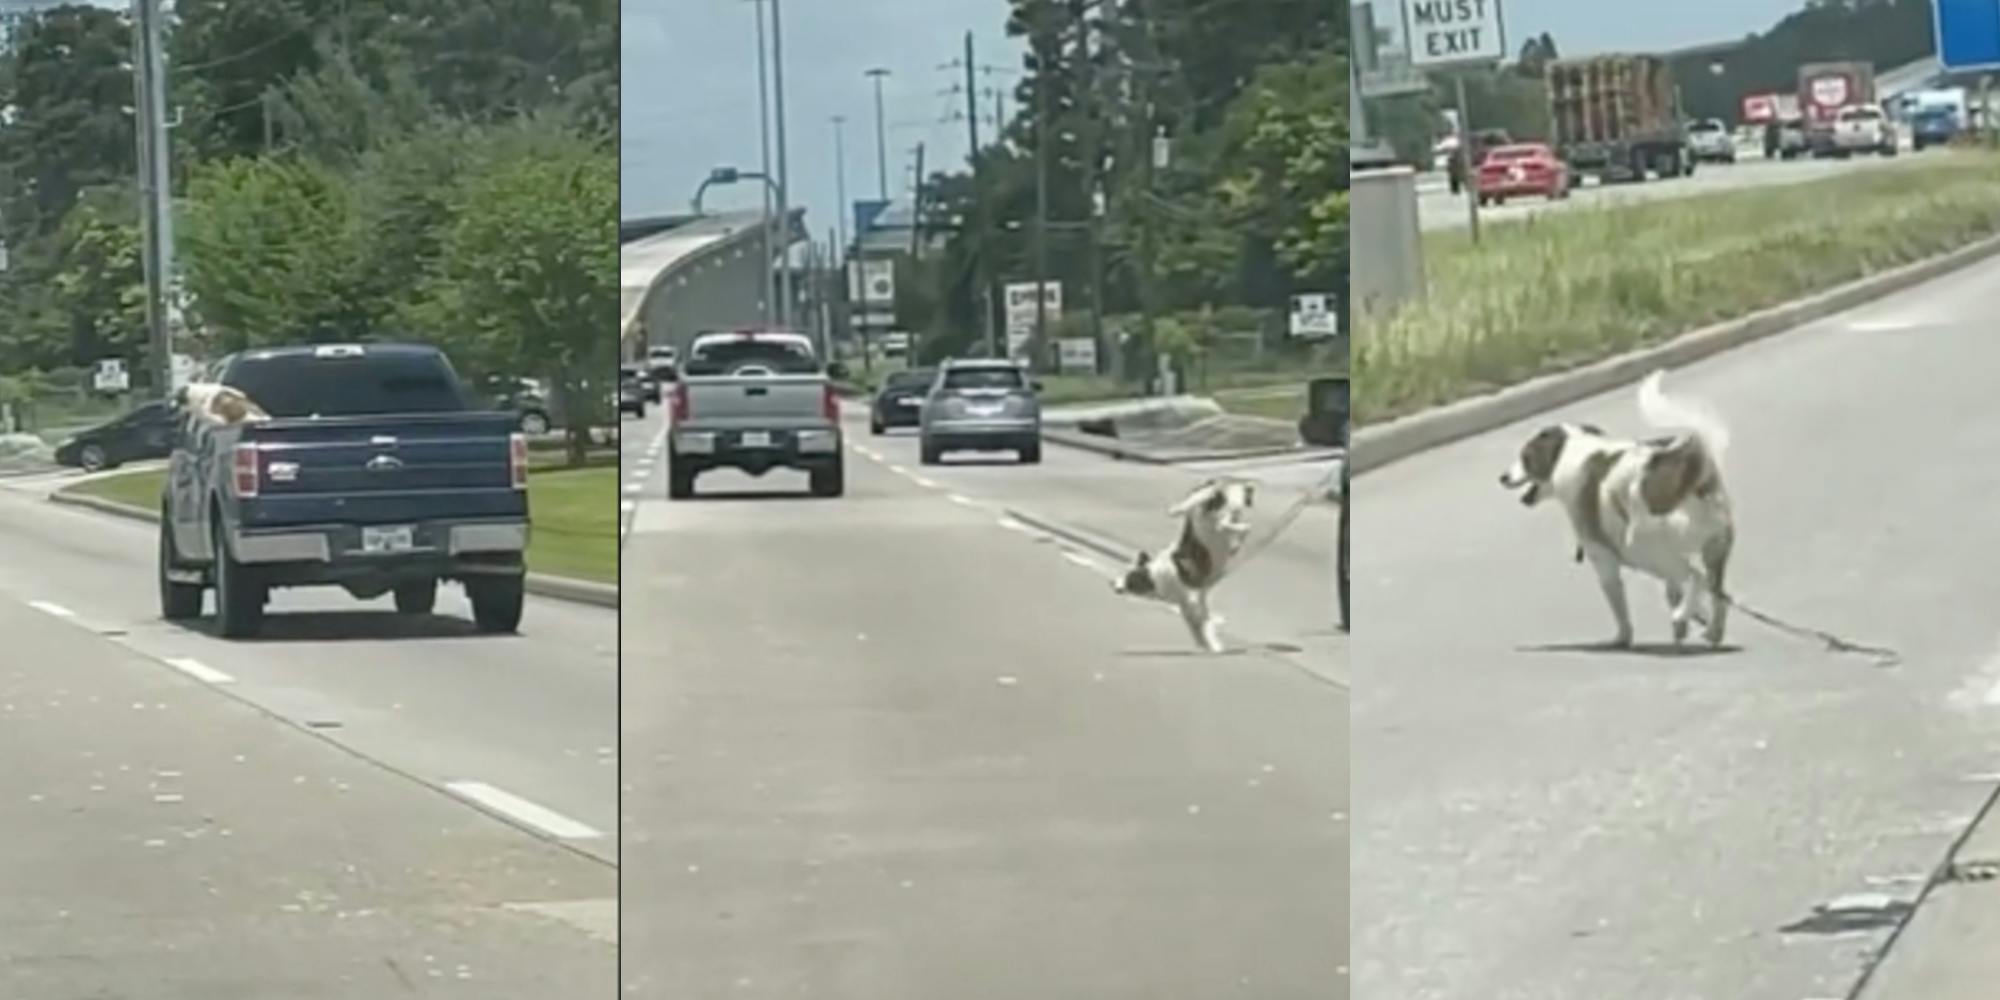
(963,500)
(1013,525)
(632,488)
(1081,560)
(548,821)
(50,608)
(929,484)
(198,670)
(628,506)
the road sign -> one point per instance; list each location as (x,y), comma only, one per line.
(112,376)
(1077,354)
(1383,68)
(1453,32)
(1313,316)
(1020,299)
(1968,34)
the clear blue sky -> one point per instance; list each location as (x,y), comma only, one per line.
(1581,27)
(689,94)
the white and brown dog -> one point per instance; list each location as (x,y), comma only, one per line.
(219,405)
(1657,506)
(1215,522)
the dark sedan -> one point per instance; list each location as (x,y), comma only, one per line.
(900,403)
(146,432)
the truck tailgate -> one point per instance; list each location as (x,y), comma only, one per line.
(757,401)
(405,468)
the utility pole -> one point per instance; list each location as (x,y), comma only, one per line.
(769,282)
(981,278)
(881,132)
(917,209)
(840,183)
(149,116)
(1044,73)
(784,173)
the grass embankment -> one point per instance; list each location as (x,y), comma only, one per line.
(1566,288)
(575,513)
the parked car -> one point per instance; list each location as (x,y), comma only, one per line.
(525,399)
(376,473)
(900,401)
(1789,139)
(634,391)
(982,405)
(1863,128)
(755,401)
(145,432)
(1711,141)
(1522,169)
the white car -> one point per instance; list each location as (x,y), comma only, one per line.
(1711,141)
(1863,128)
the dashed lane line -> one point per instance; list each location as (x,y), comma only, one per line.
(523,811)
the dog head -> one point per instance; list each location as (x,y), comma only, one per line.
(1224,504)
(1535,468)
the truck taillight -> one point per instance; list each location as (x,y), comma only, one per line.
(680,401)
(830,405)
(248,476)
(517,460)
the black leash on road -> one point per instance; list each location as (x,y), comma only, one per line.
(1882,655)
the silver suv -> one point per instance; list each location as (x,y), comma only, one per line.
(982,405)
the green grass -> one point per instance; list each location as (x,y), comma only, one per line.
(575,515)
(1564,289)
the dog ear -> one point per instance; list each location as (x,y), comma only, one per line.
(1198,495)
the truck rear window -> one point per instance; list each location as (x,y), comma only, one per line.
(299,385)
(984,378)
(728,357)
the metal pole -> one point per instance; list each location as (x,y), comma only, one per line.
(881,133)
(784,173)
(768,283)
(1467,168)
(840,183)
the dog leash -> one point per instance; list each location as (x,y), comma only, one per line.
(1290,515)
(1882,655)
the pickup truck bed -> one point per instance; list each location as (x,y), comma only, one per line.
(769,408)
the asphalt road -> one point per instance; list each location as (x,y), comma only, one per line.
(904,745)
(1437,208)
(1543,820)
(190,820)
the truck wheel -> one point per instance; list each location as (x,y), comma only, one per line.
(1031,454)
(496,602)
(930,454)
(417,598)
(179,602)
(239,598)
(680,482)
(829,481)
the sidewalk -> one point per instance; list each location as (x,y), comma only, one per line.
(1950,947)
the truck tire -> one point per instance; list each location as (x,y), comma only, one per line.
(829,481)
(680,482)
(239,598)
(179,602)
(496,602)
(417,598)
(929,454)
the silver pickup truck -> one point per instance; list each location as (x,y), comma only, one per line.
(755,401)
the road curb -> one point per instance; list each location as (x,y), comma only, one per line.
(1378,446)
(558,588)
(1110,447)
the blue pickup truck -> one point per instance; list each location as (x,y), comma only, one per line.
(374,473)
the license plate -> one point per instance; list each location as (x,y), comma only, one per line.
(910,402)
(756,439)
(989,410)
(401,538)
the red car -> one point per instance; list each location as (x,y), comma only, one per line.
(1522,169)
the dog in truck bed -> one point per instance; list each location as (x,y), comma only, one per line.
(218,405)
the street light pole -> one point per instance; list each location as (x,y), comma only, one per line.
(840,182)
(784,173)
(881,132)
(768,282)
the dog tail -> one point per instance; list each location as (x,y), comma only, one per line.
(1667,413)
